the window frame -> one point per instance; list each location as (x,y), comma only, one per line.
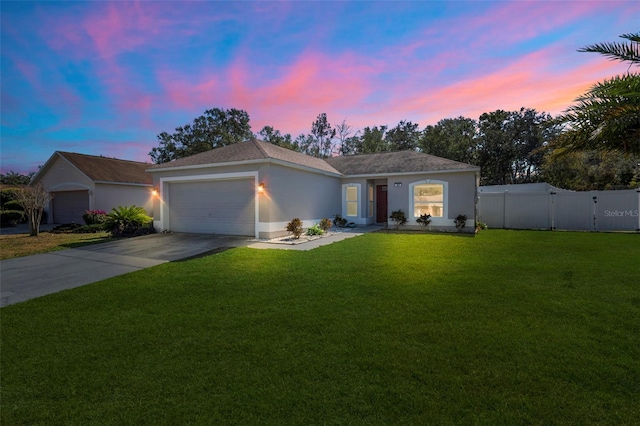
(445,200)
(345,202)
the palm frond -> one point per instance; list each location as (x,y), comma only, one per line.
(619,51)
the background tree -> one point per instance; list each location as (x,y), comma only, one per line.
(591,171)
(216,128)
(14,178)
(323,136)
(404,136)
(452,138)
(372,140)
(346,141)
(607,117)
(495,149)
(33,200)
(271,135)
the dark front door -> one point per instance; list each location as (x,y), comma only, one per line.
(381,203)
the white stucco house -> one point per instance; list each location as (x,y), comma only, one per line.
(79,182)
(255,188)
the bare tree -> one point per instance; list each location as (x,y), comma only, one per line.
(344,131)
(33,199)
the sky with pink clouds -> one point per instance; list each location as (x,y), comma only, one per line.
(105,78)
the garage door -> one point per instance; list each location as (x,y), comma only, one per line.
(69,206)
(213,207)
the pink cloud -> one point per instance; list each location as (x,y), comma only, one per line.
(530,82)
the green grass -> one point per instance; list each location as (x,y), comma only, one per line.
(510,327)
(19,245)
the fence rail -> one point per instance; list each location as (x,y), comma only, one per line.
(565,210)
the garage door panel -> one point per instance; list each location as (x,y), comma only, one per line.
(213,207)
(69,206)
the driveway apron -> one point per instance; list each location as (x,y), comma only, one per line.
(29,277)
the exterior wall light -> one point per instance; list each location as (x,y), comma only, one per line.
(154,191)
(261,188)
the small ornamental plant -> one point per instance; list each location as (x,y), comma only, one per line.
(399,218)
(94,217)
(315,230)
(339,221)
(424,219)
(295,227)
(460,221)
(325,224)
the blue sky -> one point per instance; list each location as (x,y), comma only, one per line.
(105,78)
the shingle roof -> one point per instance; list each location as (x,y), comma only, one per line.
(246,151)
(103,169)
(394,162)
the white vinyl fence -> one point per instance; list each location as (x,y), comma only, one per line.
(566,210)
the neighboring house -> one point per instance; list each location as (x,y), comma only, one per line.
(255,188)
(79,182)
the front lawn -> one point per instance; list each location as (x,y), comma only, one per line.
(509,327)
(23,245)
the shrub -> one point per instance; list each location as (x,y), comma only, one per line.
(89,229)
(424,219)
(339,221)
(398,218)
(295,227)
(11,212)
(92,217)
(325,224)
(460,221)
(10,217)
(315,230)
(481,225)
(67,228)
(128,222)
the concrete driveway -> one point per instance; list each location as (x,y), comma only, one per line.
(29,277)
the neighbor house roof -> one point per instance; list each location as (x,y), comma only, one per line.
(103,169)
(253,150)
(394,162)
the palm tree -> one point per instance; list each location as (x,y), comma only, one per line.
(607,117)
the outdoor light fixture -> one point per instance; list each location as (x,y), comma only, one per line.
(261,188)
(154,191)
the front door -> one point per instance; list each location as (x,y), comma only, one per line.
(381,203)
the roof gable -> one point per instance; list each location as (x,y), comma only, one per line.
(394,163)
(103,169)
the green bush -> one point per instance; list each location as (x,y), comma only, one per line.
(315,230)
(295,227)
(92,217)
(11,212)
(128,222)
(10,217)
(89,229)
(398,218)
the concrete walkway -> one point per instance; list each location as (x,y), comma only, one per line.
(29,277)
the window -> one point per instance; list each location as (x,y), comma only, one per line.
(428,198)
(370,200)
(352,201)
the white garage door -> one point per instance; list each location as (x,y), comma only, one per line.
(213,207)
(69,206)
